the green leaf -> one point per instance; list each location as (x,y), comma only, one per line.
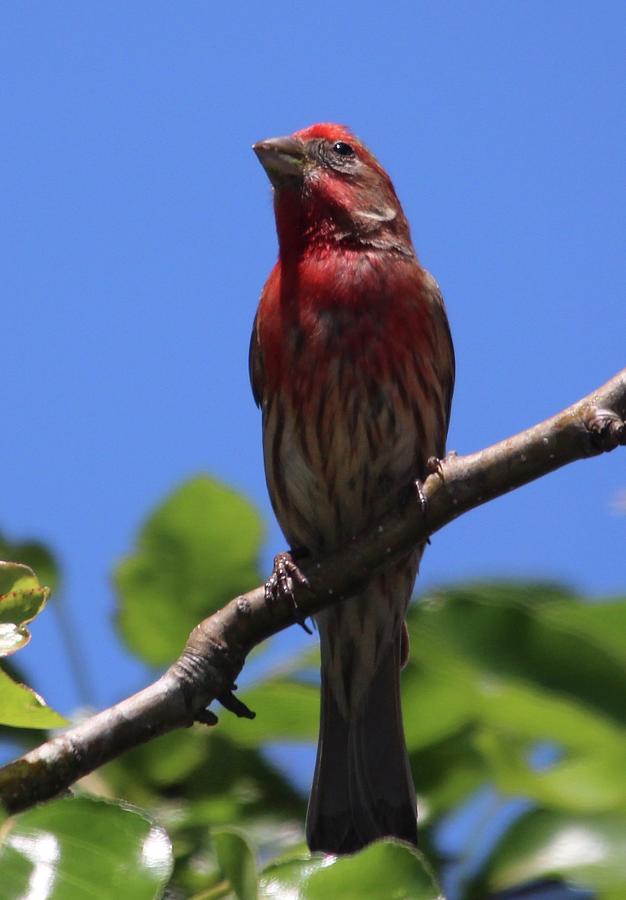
(81,848)
(195,552)
(36,556)
(383,869)
(585,850)
(21,707)
(21,599)
(236,861)
(289,877)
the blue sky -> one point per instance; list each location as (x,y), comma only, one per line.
(137,232)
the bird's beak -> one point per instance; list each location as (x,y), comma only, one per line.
(282,158)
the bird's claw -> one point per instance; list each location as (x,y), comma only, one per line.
(607,430)
(434,466)
(281,584)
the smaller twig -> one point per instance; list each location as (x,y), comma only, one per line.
(235,705)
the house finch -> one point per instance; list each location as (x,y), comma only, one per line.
(352,364)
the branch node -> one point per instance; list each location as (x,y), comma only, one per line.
(607,430)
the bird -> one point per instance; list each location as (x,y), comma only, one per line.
(352,365)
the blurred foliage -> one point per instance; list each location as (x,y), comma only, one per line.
(515,686)
(195,552)
(589,850)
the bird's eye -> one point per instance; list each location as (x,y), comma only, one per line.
(343,149)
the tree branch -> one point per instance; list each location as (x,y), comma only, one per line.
(217,647)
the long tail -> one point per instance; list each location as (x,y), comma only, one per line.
(362,788)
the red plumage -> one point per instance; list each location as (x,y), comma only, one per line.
(352,364)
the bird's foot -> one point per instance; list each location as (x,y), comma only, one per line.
(281,584)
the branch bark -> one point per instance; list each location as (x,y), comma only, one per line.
(217,647)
